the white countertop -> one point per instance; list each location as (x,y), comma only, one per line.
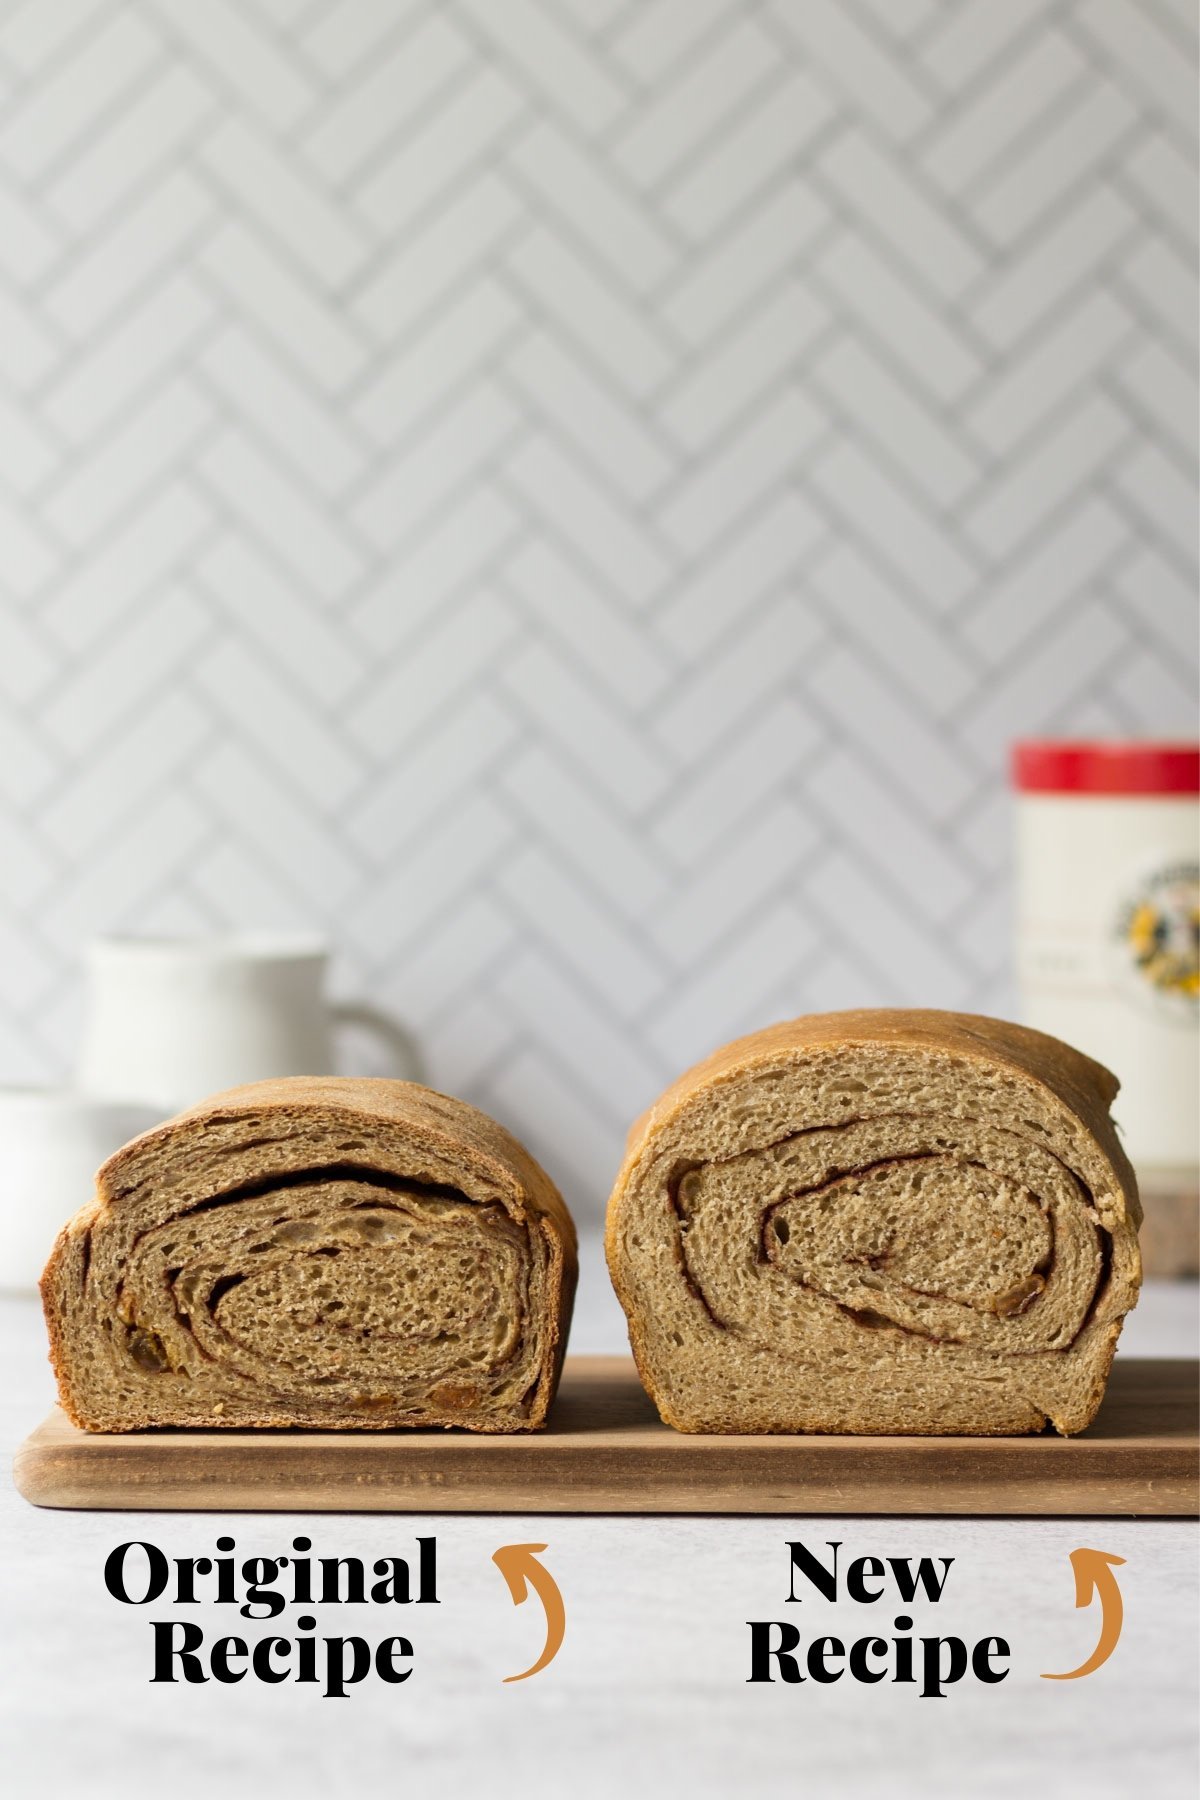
(649,1692)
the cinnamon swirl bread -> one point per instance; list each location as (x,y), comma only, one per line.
(328,1253)
(902,1222)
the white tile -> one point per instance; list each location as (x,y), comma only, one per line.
(736,371)
(760,658)
(270,504)
(306,432)
(135,354)
(733,990)
(1158,386)
(611,542)
(1144,55)
(1164,496)
(407,490)
(716,901)
(347,32)
(112,579)
(1077,553)
(290,209)
(971,34)
(311,332)
(263,606)
(27,350)
(155,842)
(869,79)
(601,426)
(924,653)
(529,38)
(156,740)
(1062,663)
(894,529)
(1165,285)
(28,454)
(924,761)
(869,813)
(594,1048)
(603,324)
(659,34)
(59,111)
(989,123)
(926,241)
(33,33)
(446,763)
(603,746)
(450,555)
(28,245)
(143,451)
(1053,164)
(912,961)
(607,851)
(899,422)
(144,241)
(452,249)
(290,842)
(716,187)
(458,135)
(677,123)
(609,959)
(89,705)
(1165,180)
(765,450)
(291,734)
(1053,469)
(226,39)
(26,556)
(394,89)
(436,362)
(586,201)
(722,280)
(392,909)
(918,336)
(758,761)
(146,134)
(1016,296)
(1076,351)
(578,1147)
(414,691)
(761,554)
(595,631)
(27,771)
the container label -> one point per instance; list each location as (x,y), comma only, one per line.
(1155,939)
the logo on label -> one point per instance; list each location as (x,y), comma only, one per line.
(1157,938)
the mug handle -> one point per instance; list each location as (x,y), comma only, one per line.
(396,1040)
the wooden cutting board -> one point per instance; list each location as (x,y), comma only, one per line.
(606,1451)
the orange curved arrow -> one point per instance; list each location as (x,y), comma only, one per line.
(522,1570)
(1094,1575)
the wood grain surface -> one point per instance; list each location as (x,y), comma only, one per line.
(606,1451)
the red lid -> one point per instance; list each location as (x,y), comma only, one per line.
(1050,767)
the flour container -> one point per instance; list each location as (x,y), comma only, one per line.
(1108,931)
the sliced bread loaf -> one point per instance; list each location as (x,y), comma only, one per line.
(330,1253)
(901,1222)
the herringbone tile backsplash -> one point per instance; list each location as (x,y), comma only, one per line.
(573,498)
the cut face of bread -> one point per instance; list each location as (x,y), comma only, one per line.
(902,1222)
(329,1253)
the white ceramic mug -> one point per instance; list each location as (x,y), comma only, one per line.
(52,1141)
(172,1020)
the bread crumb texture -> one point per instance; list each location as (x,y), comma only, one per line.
(338,1254)
(884,1222)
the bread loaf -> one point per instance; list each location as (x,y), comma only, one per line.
(328,1253)
(901,1222)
